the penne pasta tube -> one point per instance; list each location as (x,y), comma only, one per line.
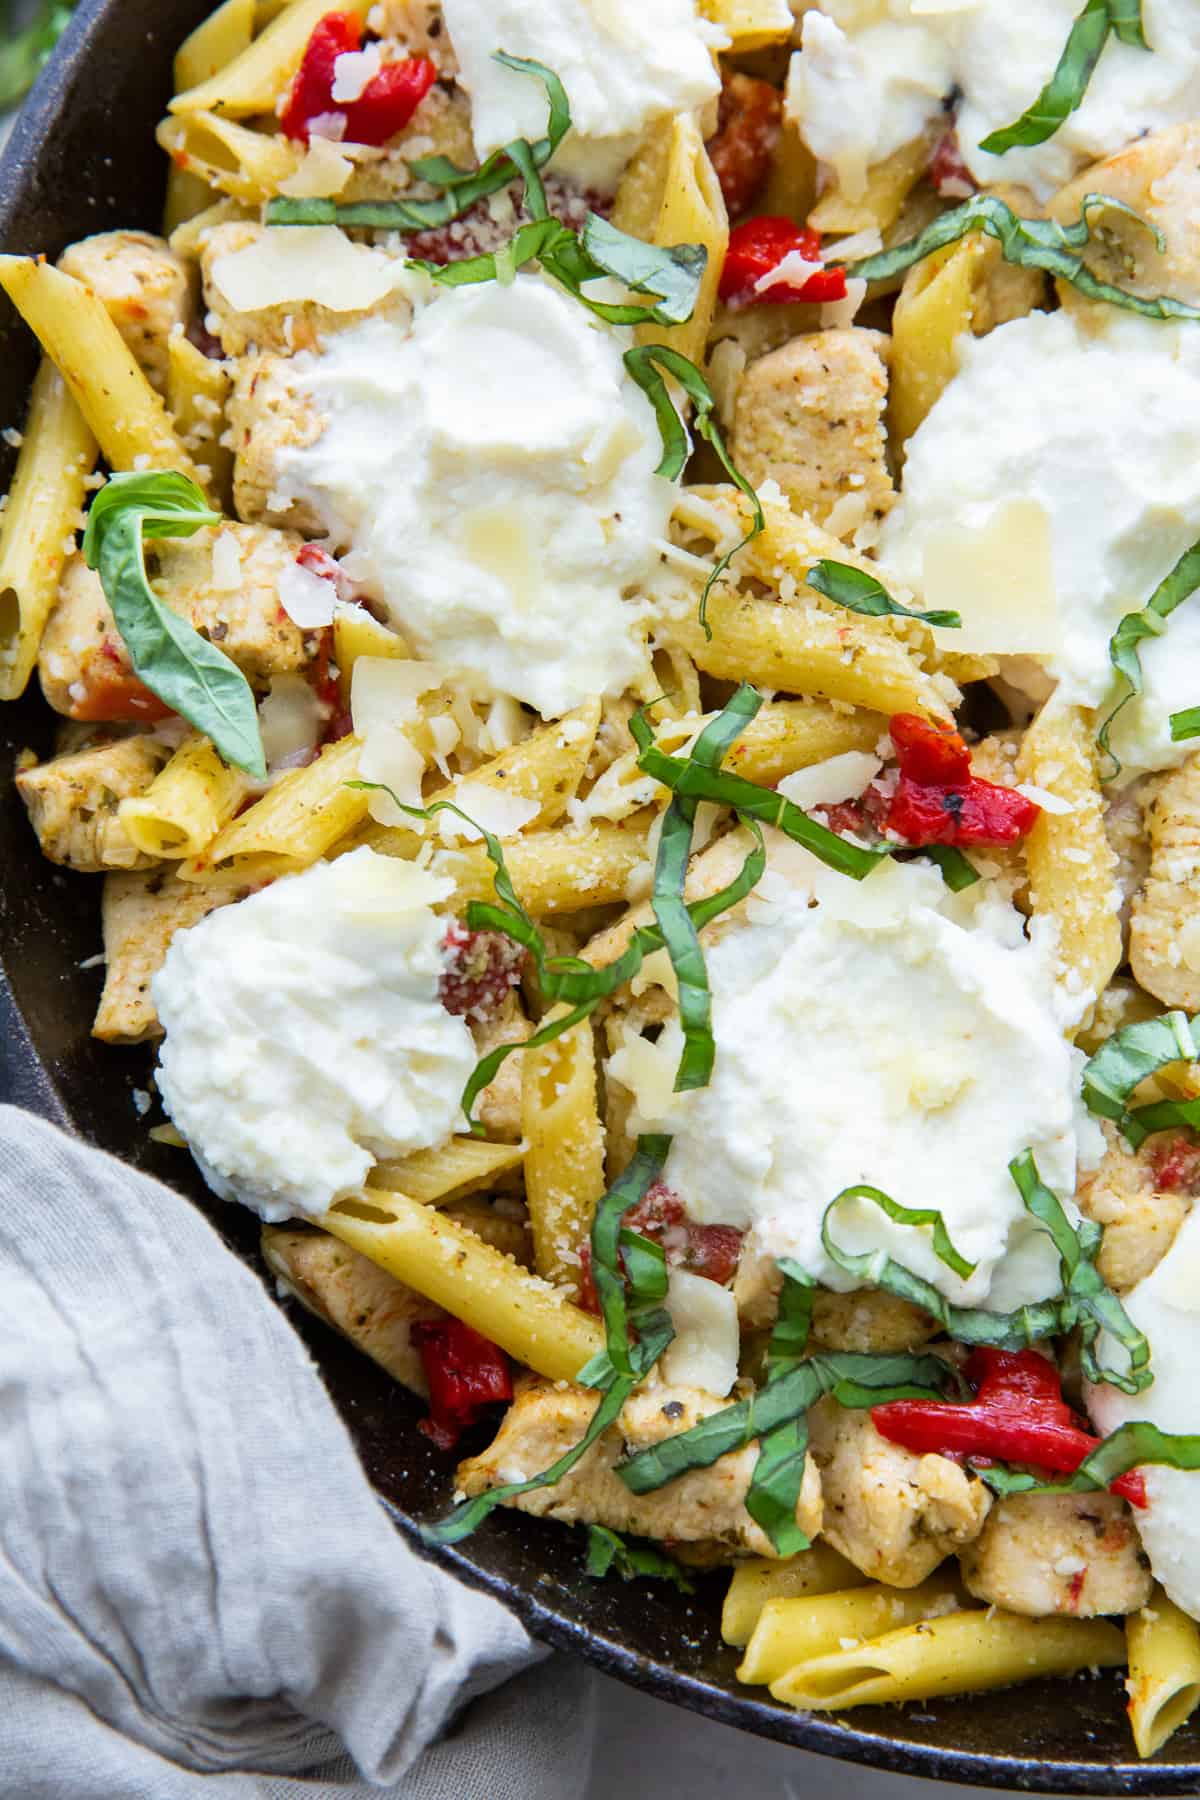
(188,195)
(751,24)
(819,1570)
(216,41)
(691,211)
(293,824)
(935,307)
(461,1166)
(197,389)
(559,871)
(255,77)
(74,329)
(39,522)
(880,199)
(960,1653)
(532,1321)
(186,804)
(564,1164)
(1164,1671)
(789,1632)
(247,165)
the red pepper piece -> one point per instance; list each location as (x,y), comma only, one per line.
(1176,1166)
(384,107)
(388,101)
(948,173)
(939,801)
(1018,1415)
(312,90)
(708,1250)
(749,117)
(108,691)
(466,1373)
(482,969)
(760,245)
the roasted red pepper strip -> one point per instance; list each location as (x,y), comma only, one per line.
(108,691)
(1018,1415)
(708,1250)
(948,173)
(760,245)
(465,1371)
(384,107)
(939,801)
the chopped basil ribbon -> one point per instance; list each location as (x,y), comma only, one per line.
(1064,91)
(1130,1446)
(672,272)
(1085,1303)
(609,1551)
(618,1368)
(647,364)
(853,1379)
(186,671)
(774,1491)
(957,872)
(1126,1059)
(687,777)
(861,593)
(1030,244)
(1151,621)
(461,188)
(1185,725)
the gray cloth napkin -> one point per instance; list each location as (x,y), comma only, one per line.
(198,1591)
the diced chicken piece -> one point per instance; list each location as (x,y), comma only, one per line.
(1164,936)
(247,621)
(810,415)
(268,412)
(145,287)
(1158,176)
(1059,1553)
(870,1323)
(893,1514)
(1140,1219)
(545,1420)
(141,914)
(74,802)
(284,328)
(499,1105)
(355,1296)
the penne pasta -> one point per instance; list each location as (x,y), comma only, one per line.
(690,210)
(560,871)
(751,24)
(959,1653)
(876,201)
(216,41)
(247,165)
(38,525)
(296,821)
(464,1165)
(449,1264)
(1071,864)
(186,804)
(790,1632)
(819,1570)
(934,308)
(252,79)
(73,327)
(197,389)
(1164,1671)
(564,1163)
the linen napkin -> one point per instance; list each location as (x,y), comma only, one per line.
(199,1592)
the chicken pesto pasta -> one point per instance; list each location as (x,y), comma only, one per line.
(621,588)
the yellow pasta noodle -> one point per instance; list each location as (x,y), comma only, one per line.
(447,1263)
(1071,863)
(464,1165)
(751,24)
(248,165)
(960,1653)
(564,1164)
(197,389)
(850,207)
(671,195)
(254,79)
(293,824)
(74,329)
(216,41)
(819,1570)
(934,308)
(790,1632)
(557,871)
(186,804)
(1164,1671)
(355,634)
(39,522)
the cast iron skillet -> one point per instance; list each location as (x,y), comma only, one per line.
(82,159)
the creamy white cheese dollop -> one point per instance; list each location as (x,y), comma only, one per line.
(623,63)
(1096,428)
(1166,1306)
(492,467)
(304,1033)
(888,1034)
(872,74)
